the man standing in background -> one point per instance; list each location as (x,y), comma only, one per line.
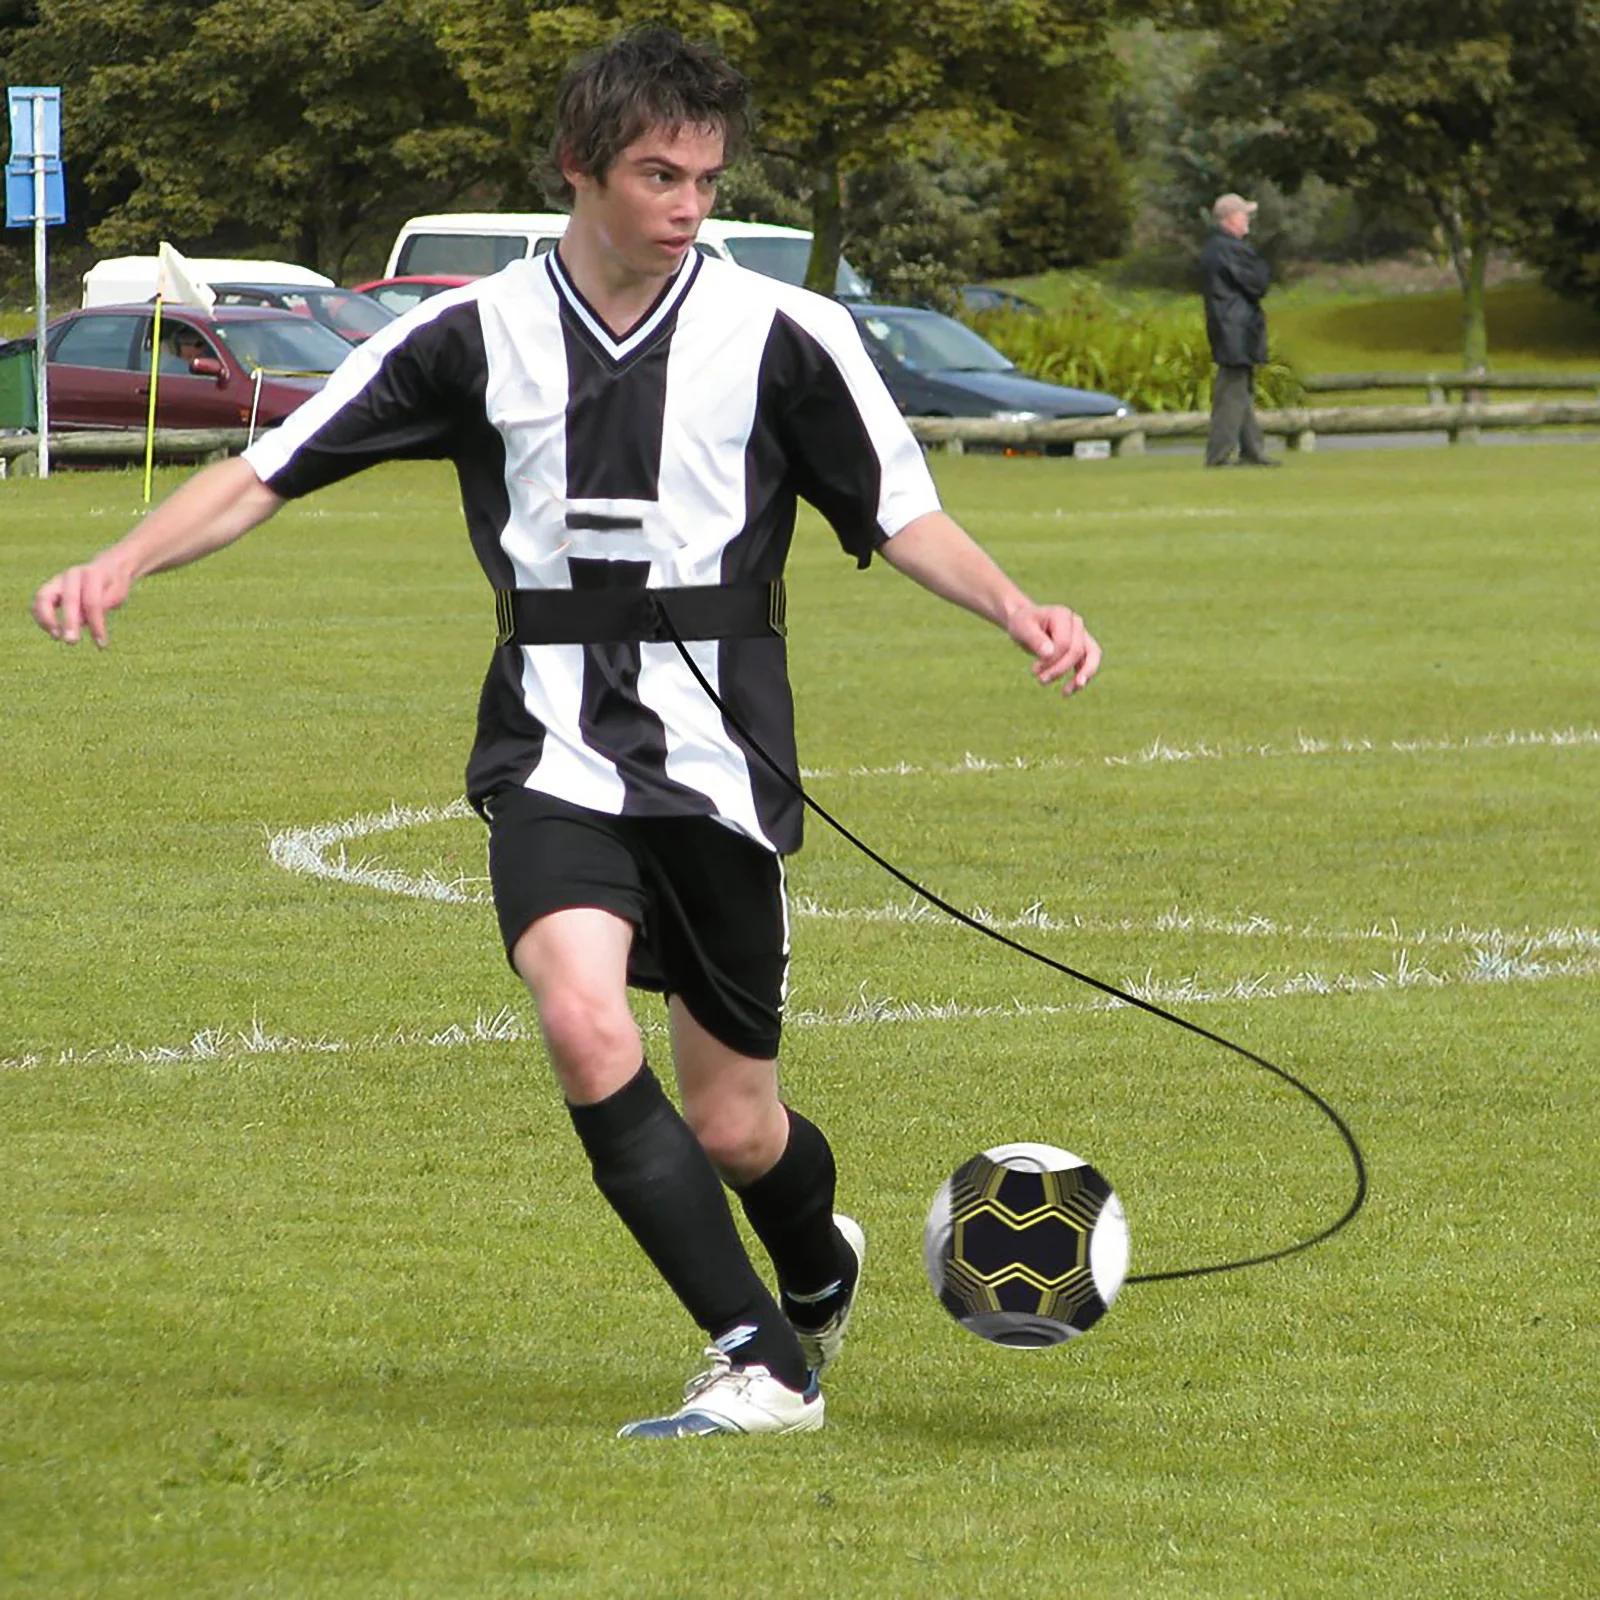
(1233,279)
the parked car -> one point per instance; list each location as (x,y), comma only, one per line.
(99,366)
(399,295)
(354,317)
(985,297)
(937,367)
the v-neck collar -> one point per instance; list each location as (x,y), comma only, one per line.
(645,329)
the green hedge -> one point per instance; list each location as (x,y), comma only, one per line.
(1156,360)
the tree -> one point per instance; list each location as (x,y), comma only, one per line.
(1430,106)
(1558,210)
(919,228)
(841,86)
(1181,161)
(847,86)
(18,21)
(1064,198)
(305,122)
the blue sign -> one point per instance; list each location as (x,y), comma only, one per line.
(20,104)
(34,112)
(19,193)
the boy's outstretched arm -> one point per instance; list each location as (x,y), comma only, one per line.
(938,553)
(215,507)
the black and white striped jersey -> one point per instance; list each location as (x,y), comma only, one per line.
(670,456)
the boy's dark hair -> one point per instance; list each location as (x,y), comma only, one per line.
(649,78)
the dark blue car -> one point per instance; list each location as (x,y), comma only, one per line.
(935,366)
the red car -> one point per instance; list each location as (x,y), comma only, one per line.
(99,366)
(401,294)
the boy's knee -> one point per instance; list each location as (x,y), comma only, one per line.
(593,1041)
(742,1138)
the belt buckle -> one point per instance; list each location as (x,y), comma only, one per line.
(504,618)
(778,607)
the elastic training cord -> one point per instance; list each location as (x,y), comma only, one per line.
(1353,1149)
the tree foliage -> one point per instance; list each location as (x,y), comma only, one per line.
(1428,106)
(301,122)
(1181,159)
(1557,224)
(1063,201)
(843,86)
(920,227)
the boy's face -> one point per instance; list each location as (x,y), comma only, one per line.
(647,209)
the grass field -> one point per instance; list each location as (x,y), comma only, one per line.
(1330,321)
(1530,330)
(303,1287)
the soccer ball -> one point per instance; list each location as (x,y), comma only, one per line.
(1026,1245)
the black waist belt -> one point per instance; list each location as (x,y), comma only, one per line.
(613,616)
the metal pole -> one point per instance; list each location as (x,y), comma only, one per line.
(40,305)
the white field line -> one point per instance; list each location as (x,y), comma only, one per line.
(307,850)
(508,1027)
(1160,753)
(1523,942)
(1496,955)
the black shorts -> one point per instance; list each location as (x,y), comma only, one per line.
(711,923)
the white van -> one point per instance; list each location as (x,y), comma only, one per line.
(475,243)
(131,280)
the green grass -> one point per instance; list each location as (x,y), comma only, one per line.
(1318,326)
(1530,330)
(304,1290)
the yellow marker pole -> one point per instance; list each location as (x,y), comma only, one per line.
(150,426)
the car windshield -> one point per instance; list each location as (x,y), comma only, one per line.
(343,310)
(283,344)
(401,297)
(926,341)
(353,315)
(777,256)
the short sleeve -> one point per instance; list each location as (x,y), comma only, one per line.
(399,396)
(849,449)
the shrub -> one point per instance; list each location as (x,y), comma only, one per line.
(1156,360)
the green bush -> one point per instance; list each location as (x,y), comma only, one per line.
(1155,360)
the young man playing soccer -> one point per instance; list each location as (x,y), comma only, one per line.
(631,424)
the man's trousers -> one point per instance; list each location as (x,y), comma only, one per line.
(1233,418)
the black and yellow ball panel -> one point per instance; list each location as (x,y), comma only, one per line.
(1019,1243)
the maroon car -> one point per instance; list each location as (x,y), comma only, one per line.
(216,370)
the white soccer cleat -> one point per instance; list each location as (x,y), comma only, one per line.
(821,1346)
(729,1399)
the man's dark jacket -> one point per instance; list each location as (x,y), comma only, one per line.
(1233,278)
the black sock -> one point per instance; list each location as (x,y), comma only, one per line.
(651,1169)
(791,1210)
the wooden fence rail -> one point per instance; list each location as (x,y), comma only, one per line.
(1300,425)
(1438,383)
(1127,435)
(20,451)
